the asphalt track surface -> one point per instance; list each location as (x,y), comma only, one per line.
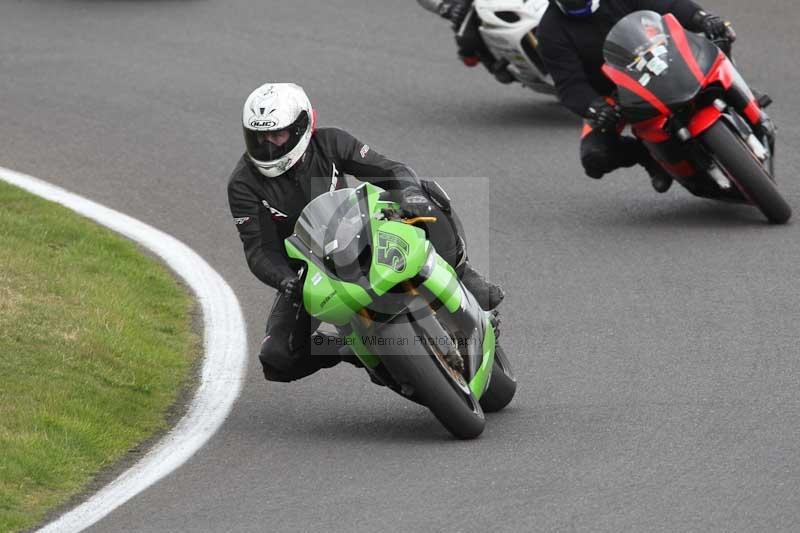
(654,336)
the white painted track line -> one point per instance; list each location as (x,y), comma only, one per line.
(223,368)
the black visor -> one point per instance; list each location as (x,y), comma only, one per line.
(575,7)
(274,144)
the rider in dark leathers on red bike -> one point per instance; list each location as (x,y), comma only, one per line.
(571,36)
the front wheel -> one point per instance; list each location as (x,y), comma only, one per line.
(502,384)
(425,375)
(442,391)
(746,171)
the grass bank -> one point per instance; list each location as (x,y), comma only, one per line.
(96,342)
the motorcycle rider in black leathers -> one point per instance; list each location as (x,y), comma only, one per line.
(289,162)
(571,34)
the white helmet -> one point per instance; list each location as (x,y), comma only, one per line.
(278,122)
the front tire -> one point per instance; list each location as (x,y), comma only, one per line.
(746,171)
(435,384)
(502,384)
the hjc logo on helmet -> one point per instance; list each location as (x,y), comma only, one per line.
(257,123)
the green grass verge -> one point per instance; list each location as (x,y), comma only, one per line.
(95,343)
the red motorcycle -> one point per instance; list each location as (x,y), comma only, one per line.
(685,100)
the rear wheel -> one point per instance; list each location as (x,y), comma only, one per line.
(746,171)
(502,384)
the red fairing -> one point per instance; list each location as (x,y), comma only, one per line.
(703,119)
(753,113)
(679,38)
(652,130)
(721,72)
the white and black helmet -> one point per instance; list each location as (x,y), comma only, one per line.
(278,122)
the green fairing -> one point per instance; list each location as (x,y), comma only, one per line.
(383,277)
(398,251)
(328,299)
(478,383)
(373,197)
(443,283)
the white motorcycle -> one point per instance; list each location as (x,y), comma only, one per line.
(508,29)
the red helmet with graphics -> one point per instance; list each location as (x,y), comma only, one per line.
(278,122)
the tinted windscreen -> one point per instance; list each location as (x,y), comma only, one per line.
(638,43)
(642,46)
(334,230)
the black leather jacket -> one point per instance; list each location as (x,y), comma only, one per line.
(265,209)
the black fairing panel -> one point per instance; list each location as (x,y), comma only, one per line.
(634,107)
(705,52)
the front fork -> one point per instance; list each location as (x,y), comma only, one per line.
(759,137)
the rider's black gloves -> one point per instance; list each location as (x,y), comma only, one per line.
(603,116)
(414,203)
(712,25)
(291,290)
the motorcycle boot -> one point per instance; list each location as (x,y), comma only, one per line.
(659,178)
(485,292)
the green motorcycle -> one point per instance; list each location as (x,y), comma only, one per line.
(399,307)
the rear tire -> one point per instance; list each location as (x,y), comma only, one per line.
(746,171)
(502,385)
